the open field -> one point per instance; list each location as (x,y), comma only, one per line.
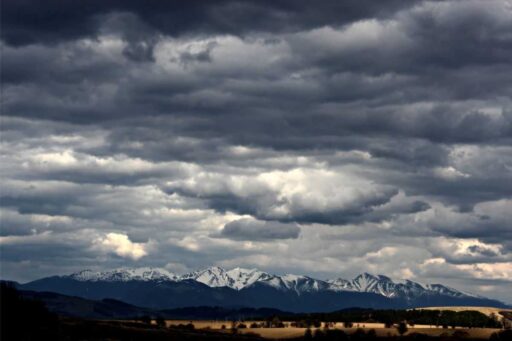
(283,333)
(484,310)
(292,332)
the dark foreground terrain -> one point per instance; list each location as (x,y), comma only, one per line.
(26,318)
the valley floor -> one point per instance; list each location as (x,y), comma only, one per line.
(381,331)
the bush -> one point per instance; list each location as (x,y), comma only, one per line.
(402,328)
(336,334)
(460,334)
(371,334)
(188,326)
(308,335)
(254,325)
(301,324)
(359,334)
(348,324)
(418,336)
(319,334)
(242,325)
(501,336)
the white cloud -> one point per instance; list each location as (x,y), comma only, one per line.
(121,245)
(449,173)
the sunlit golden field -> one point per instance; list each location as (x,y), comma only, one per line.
(291,332)
(484,310)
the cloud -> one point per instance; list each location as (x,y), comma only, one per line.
(251,229)
(121,245)
(302,195)
(484,217)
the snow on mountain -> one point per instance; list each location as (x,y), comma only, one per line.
(444,290)
(303,283)
(124,275)
(340,284)
(237,278)
(245,277)
(379,284)
(212,277)
(385,286)
(241,278)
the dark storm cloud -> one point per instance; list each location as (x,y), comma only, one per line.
(482,251)
(250,229)
(383,128)
(27,21)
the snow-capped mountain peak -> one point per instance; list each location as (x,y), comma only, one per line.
(237,278)
(245,277)
(212,277)
(445,290)
(384,285)
(123,275)
(241,278)
(364,282)
(340,284)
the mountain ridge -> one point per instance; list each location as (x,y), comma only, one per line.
(215,286)
(239,278)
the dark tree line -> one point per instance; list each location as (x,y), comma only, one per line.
(362,335)
(24,319)
(445,318)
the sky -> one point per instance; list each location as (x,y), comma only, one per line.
(325,138)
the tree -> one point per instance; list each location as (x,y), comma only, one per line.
(402,328)
(160,321)
(233,327)
(276,322)
(348,324)
(506,323)
(145,319)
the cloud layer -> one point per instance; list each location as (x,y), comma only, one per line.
(325,139)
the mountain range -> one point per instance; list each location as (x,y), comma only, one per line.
(160,289)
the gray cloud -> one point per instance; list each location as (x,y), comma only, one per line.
(27,22)
(303,195)
(250,229)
